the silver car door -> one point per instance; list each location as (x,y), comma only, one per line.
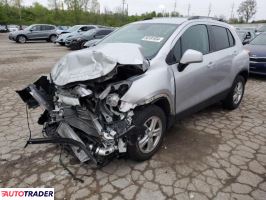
(224,52)
(193,83)
(35,32)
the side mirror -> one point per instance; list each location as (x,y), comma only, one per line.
(190,56)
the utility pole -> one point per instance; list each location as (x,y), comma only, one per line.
(210,9)
(232,10)
(188,9)
(175,7)
(123,6)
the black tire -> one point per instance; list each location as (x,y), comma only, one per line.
(140,117)
(21,39)
(52,38)
(229,102)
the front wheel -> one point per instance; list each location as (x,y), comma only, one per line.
(151,122)
(52,38)
(21,39)
(236,93)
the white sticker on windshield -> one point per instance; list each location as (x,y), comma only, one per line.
(152,39)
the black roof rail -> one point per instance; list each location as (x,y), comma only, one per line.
(206,17)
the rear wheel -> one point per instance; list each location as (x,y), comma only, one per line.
(235,95)
(152,123)
(21,39)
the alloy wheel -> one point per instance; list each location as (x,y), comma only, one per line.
(153,133)
(22,39)
(53,38)
(238,92)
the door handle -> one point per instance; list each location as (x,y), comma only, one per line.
(235,52)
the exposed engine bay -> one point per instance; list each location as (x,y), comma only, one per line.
(87,115)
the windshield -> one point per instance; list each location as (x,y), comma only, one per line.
(259,40)
(73,28)
(150,36)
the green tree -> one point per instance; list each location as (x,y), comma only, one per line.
(247,9)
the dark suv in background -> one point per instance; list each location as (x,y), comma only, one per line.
(77,42)
(35,32)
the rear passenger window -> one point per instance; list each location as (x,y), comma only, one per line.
(36,28)
(196,38)
(47,28)
(231,38)
(220,38)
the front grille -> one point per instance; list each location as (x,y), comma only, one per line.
(254,59)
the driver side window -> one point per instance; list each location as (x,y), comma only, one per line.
(36,28)
(195,38)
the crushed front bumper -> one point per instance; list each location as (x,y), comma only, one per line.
(39,94)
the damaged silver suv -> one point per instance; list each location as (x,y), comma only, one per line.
(120,96)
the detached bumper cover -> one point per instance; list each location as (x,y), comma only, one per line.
(38,94)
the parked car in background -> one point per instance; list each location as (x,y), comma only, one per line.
(74,30)
(3,29)
(78,41)
(62,29)
(246,35)
(121,96)
(261,29)
(91,43)
(12,28)
(257,49)
(35,32)
(24,26)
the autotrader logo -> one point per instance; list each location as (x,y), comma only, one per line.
(26,193)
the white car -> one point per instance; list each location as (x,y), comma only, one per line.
(13,28)
(74,30)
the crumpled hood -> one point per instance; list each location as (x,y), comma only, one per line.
(96,62)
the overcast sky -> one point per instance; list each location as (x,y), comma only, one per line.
(198,7)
